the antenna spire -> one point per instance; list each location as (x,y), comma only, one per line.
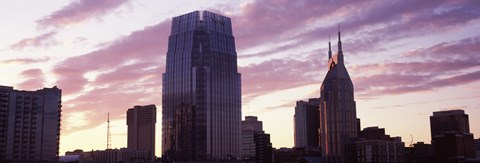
(109,140)
(329,48)
(339,41)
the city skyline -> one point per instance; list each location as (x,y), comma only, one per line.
(419,58)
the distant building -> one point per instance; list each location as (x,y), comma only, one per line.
(294,155)
(75,152)
(451,137)
(338,115)
(122,155)
(256,145)
(477,147)
(451,120)
(141,129)
(30,124)
(419,153)
(252,123)
(454,146)
(306,123)
(374,146)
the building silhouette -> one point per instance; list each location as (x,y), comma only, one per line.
(141,129)
(450,120)
(451,137)
(306,123)
(256,145)
(419,152)
(30,124)
(373,145)
(201,72)
(338,117)
(122,155)
(477,147)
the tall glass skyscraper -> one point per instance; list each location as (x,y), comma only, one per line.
(338,113)
(201,73)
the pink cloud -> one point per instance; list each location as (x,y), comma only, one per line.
(148,44)
(374,22)
(44,40)
(34,79)
(281,74)
(24,60)
(130,73)
(268,21)
(80,10)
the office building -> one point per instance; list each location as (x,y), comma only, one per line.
(450,120)
(451,137)
(306,123)
(201,71)
(122,155)
(477,147)
(141,129)
(30,124)
(338,116)
(252,123)
(375,146)
(419,152)
(256,145)
(453,146)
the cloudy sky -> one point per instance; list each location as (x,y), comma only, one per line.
(406,59)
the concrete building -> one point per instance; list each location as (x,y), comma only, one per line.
(201,71)
(373,145)
(141,129)
(30,124)
(256,145)
(122,155)
(306,123)
(338,116)
(419,152)
(295,155)
(252,123)
(477,147)
(451,137)
(454,146)
(446,121)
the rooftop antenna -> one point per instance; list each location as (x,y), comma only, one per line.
(411,141)
(109,140)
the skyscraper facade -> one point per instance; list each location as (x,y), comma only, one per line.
(141,129)
(201,72)
(338,117)
(306,123)
(30,124)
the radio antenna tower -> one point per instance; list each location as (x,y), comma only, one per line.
(109,140)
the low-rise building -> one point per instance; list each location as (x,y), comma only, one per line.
(374,146)
(123,155)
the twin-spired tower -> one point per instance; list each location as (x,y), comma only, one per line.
(338,116)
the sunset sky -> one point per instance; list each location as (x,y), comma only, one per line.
(406,59)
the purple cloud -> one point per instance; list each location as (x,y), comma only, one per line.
(80,10)
(43,40)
